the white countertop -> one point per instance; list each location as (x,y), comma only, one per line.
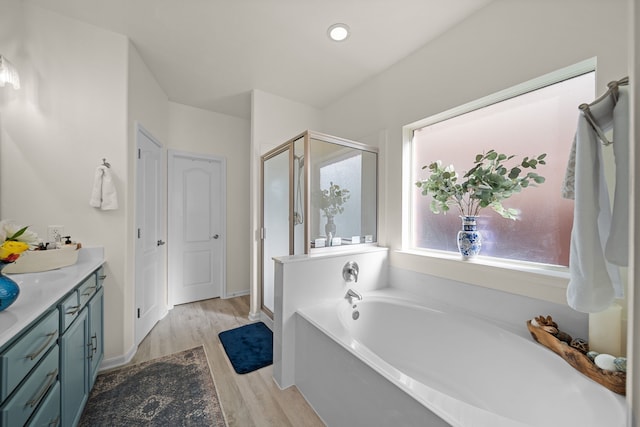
(40,291)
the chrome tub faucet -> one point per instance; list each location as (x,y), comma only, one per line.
(351,295)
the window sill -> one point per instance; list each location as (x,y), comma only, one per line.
(544,282)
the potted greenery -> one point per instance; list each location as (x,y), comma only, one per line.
(486,185)
(331,202)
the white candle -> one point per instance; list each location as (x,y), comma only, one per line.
(605,331)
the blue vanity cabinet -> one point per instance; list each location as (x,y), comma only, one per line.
(81,345)
(26,352)
(74,370)
(49,413)
(29,371)
(49,364)
(96,336)
(31,393)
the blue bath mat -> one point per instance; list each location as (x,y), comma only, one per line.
(248,347)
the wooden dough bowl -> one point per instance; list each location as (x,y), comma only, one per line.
(614,381)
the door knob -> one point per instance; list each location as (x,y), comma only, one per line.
(160,243)
(215,236)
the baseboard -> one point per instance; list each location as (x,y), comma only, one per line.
(235,294)
(114,362)
(266,320)
(117,361)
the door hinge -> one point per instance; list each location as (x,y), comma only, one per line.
(263,233)
(139,154)
(139,233)
(138,313)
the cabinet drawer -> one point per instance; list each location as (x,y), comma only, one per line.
(69,309)
(87,289)
(25,353)
(49,413)
(101,275)
(17,410)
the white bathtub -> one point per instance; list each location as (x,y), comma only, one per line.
(401,363)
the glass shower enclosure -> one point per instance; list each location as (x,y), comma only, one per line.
(319,193)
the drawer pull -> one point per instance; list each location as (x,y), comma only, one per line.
(55,422)
(34,402)
(93,348)
(73,310)
(89,291)
(36,353)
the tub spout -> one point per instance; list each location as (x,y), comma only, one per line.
(351,295)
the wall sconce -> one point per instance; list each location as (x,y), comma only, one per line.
(8,73)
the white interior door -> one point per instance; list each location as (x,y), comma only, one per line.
(150,294)
(197,238)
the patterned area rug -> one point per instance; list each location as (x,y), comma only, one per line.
(174,390)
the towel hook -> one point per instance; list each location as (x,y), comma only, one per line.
(105,163)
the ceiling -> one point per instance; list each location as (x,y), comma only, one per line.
(211,53)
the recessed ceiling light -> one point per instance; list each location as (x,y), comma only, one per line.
(338,32)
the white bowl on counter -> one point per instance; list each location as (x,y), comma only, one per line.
(37,261)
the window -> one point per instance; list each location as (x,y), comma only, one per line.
(347,172)
(531,119)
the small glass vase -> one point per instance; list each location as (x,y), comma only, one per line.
(469,238)
(9,289)
(330,227)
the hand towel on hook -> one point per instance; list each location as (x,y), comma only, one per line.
(103,193)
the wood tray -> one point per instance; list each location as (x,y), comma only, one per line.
(614,381)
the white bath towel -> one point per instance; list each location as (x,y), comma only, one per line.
(103,193)
(617,248)
(611,116)
(594,282)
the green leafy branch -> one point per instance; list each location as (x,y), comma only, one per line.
(487,184)
(330,200)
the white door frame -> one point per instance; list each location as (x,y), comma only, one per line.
(171,155)
(139,335)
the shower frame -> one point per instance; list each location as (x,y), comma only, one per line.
(289,146)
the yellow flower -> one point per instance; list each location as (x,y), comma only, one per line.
(11,250)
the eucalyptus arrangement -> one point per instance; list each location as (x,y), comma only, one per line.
(486,185)
(330,200)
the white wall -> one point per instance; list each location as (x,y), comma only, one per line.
(274,121)
(83,90)
(68,115)
(204,132)
(504,44)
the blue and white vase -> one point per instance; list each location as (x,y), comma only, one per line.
(469,238)
(9,289)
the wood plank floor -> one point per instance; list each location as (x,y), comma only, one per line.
(251,399)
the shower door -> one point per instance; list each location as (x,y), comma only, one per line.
(275,218)
(283,211)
